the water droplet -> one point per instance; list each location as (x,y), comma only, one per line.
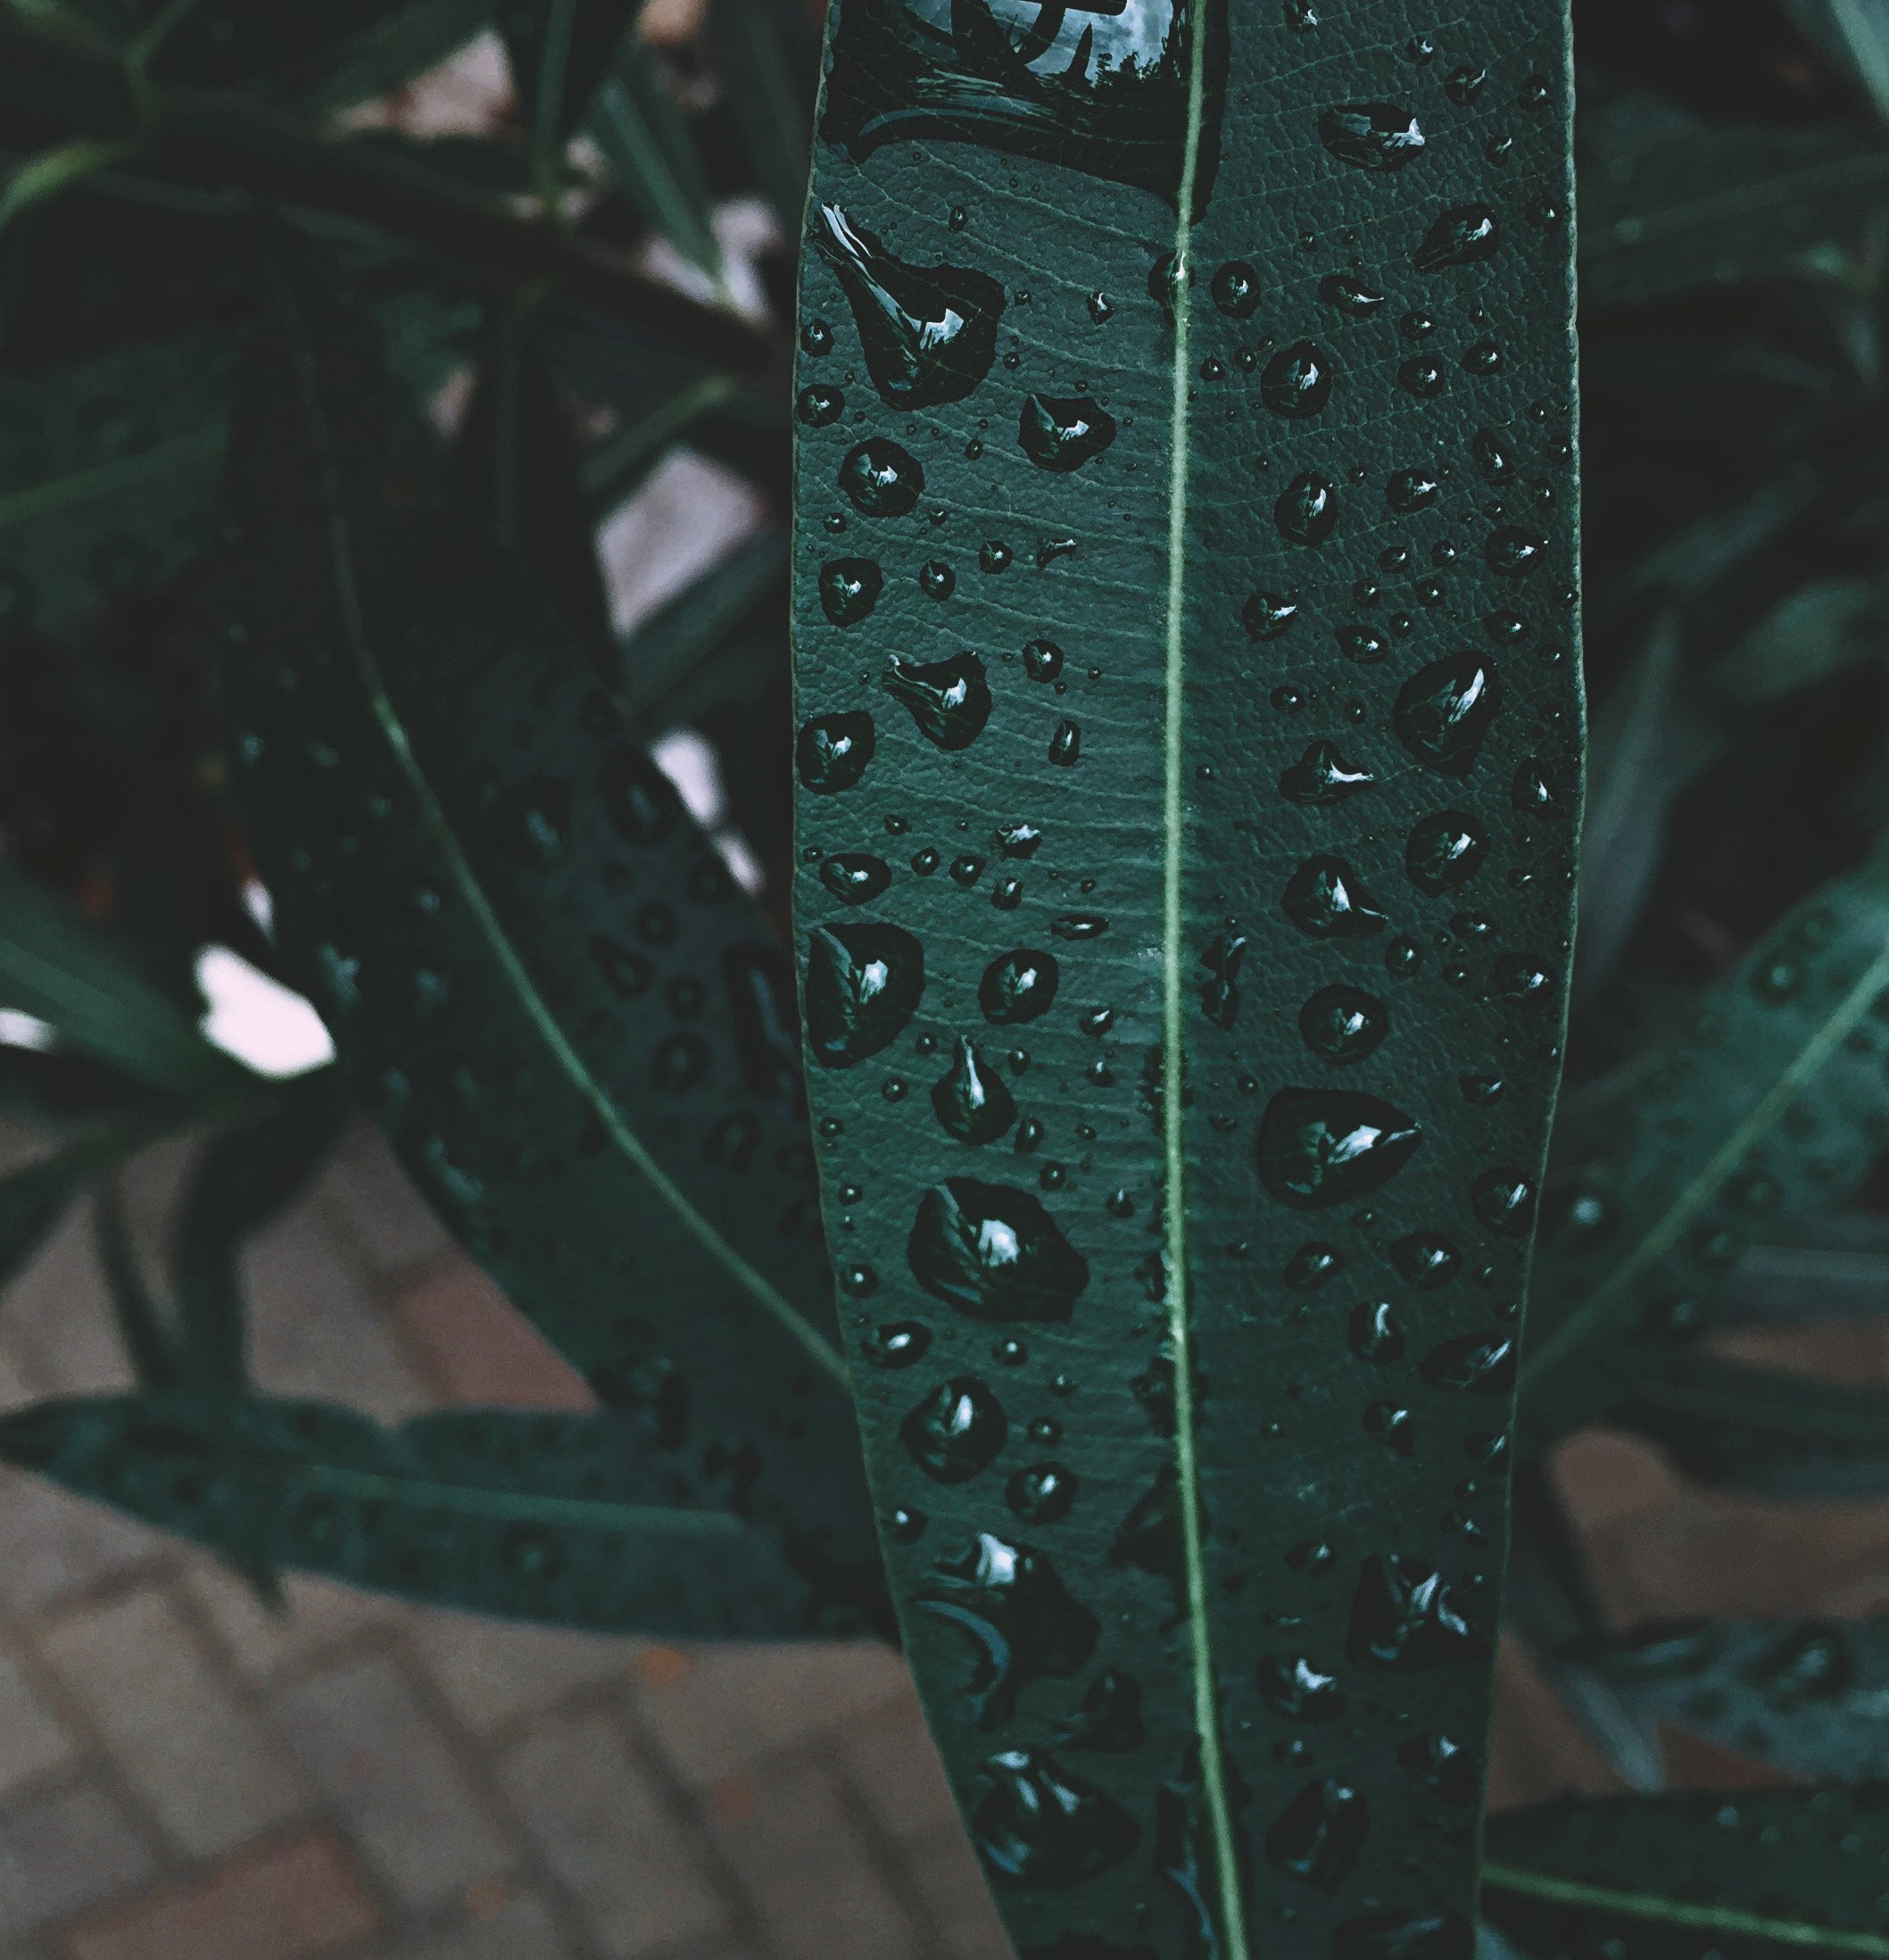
(1465,85)
(973,1103)
(1220,997)
(1109,1718)
(1268,614)
(1492,459)
(1312,1265)
(1444,712)
(1236,289)
(1505,1202)
(936,579)
(1321,775)
(1464,236)
(1425,1259)
(1042,1493)
(1038,1826)
(1323,1147)
(1319,1835)
(850,588)
(1066,745)
(1372,136)
(1476,1363)
(1061,433)
(1078,926)
(1350,295)
(907,1523)
(855,878)
(929,332)
(1344,1025)
(1363,644)
(949,699)
(627,973)
(1412,490)
(992,1252)
(1373,1333)
(639,799)
(817,406)
(897,1345)
(1445,1766)
(679,1063)
(956,1431)
(881,478)
(832,750)
(1101,308)
(1307,513)
(1444,850)
(816,338)
(864,984)
(1422,378)
(1403,1615)
(1299,1691)
(1018,987)
(1513,552)
(1298,381)
(1325,897)
(1021,1621)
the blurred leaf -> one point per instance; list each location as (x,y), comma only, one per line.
(515,470)
(1776,1435)
(1716,206)
(107,477)
(141,1324)
(578,1032)
(1806,1282)
(402,46)
(559,52)
(617,467)
(489,163)
(51,172)
(250,1173)
(769,68)
(1768,1107)
(1756,1874)
(1814,633)
(1812,1696)
(55,964)
(33,1197)
(652,156)
(572,1519)
(729,625)
(1852,34)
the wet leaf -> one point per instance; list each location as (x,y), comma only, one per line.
(1189,773)
(576,1030)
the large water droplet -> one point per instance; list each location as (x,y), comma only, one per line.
(992,1252)
(1036,1824)
(1371,134)
(1444,712)
(832,750)
(1319,1835)
(1444,850)
(1323,775)
(1019,986)
(1326,897)
(1403,1615)
(850,588)
(956,1431)
(971,1099)
(1299,1691)
(1321,1147)
(897,1344)
(1064,432)
(950,699)
(1344,1024)
(929,332)
(1307,512)
(1298,381)
(1461,236)
(863,983)
(1151,1539)
(1022,1620)
(855,878)
(881,478)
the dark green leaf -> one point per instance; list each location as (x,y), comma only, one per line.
(247,1176)
(1715,206)
(141,1325)
(33,1197)
(768,61)
(567,1518)
(559,52)
(55,964)
(1162,883)
(1853,33)
(718,637)
(577,1031)
(1756,1875)
(1812,1698)
(395,48)
(635,122)
(1817,630)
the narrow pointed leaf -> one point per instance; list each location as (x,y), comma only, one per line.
(33,1197)
(572,1519)
(148,1341)
(1811,1696)
(1853,33)
(576,1029)
(1759,1874)
(713,638)
(394,50)
(559,52)
(1171,904)
(767,58)
(635,123)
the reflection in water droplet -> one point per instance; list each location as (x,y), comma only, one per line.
(855,878)
(1464,236)
(1425,1259)
(1350,295)
(1513,552)
(1481,1364)
(1018,987)
(1343,1024)
(832,750)
(929,332)
(1412,490)
(1504,1200)
(994,1252)
(1268,614)
(1326,897)
(956,1431)
(1022,1622)
(1422,378)
(1307,512)
(863,983)
(1312,1265)
(640,800)
(1322,1147)
(1491,458)
(971,1102)
(1042,1493)
(1298,381)
(1220,997)
(1236,289)
(881,478)
(1373,1333)
(1403,1615)
(1061,433)
(1445,1766)
(1300,1691)
(819,407)
(897,1345)
(1320,1834)
(1036,1824)
(1444,850)
(1444,712)
(1321,775)
(950,699)
(1371,134)
(1066,745)
(850,588)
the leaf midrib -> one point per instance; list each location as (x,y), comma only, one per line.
(509,961)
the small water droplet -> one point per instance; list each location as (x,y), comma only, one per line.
(1343,1025)
(1373,1333)
(956,1431)
(1513,552)
(936,579)
(1307,513)
(1444,850)
(1505,1202)
(850,588)
(1444,712)
(819,406)
(1350,295)
(1312,1265)
(897,1345)
(1066,745)
(1300,1691)
(1422,378)
(1042,1493)
(1425,1259)
(1466,235)
(881,478)
(1412,490)
(971,1102)
(1326,897)
(1038,1826)
(1061,433)
(1320,1835)
(1298,381)
(1268,614)
(1019,986)
(1236,289)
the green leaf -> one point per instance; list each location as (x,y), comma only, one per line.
(36,1197)
(652,156)
(1817,631)
(767,62)
(559,52)
(1768,1108)
(1778,1435)
(141,1324)
(107,477)
(1811,1696)
(55,964)
(576,1029)
(1751,1876)
(1854,34)
(1712,207)
(716,638)
(402,44)
(1807,1282)
(249,1174)
(572,1519)
(1162,880)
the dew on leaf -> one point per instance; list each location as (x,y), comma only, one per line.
(1371,135)
(949,699)
(1061,433)
(850,588)
(881,479)
(863,983)
(1298,381)
(832,751)
(971,1101)
(1324,1147)
(992,1252)
(956,1431)
(1325,898)
(1343,1024)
